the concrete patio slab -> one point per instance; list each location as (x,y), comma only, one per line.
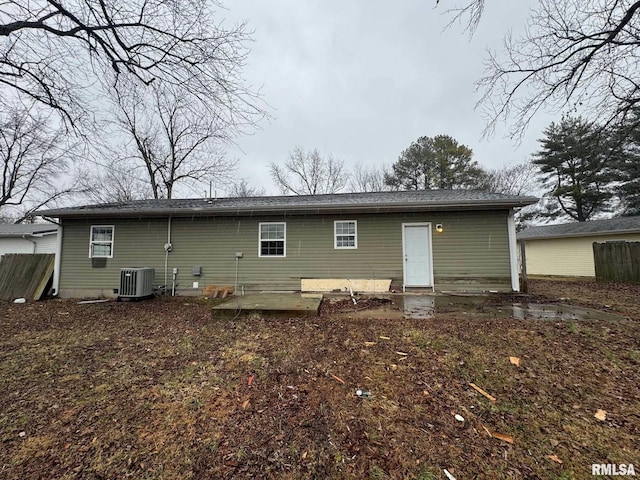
(270,305)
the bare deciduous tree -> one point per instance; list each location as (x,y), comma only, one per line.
(309,173)
(368,179)
(33,154)
(109,183)
(518,179)
(53,52)
(242,189)
(173,141)
(471,13)
(575,55)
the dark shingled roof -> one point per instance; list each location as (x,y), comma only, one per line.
(310,204)
(13,230)
(583,229)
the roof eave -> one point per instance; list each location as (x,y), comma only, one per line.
(22,235)
(590,234)
(312,209)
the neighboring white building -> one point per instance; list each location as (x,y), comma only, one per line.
(567,249)
(29,238)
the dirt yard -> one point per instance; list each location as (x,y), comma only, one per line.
(159,390)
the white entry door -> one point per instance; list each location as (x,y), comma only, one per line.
(416,249)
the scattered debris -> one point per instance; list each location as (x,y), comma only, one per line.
(601,415)
(87,302)
(515,361)
(458,417)
(503,437)
(482,392)
(20,300)
(338,379)
(22,434)
(449,476)
(250,381)
(217,291)
(402,354)
(370,344)
(353,298)
(393,367)
(384,338)
(555,458)
(304,455)
(363,393)
(245,404)
(405,430)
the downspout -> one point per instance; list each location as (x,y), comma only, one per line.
(513,251)
(35,244)
(58,262)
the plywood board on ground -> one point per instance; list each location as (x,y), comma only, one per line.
(344,284)
(217,290)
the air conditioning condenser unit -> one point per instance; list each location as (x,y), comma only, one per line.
(136,283)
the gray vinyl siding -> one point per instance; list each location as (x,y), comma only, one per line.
(471,253)
(137,243)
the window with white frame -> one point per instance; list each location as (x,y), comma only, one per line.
(101,242)
(273,239)
(345,234)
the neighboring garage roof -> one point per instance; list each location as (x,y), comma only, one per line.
(31,229)
(583,229)
(310,204)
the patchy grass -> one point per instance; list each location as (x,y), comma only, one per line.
(159,390)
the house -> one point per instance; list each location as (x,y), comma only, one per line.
(567,249)
(437,239)
(28,238)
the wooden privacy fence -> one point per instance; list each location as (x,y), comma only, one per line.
(25,275)
(617,261)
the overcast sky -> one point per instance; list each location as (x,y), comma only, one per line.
(363,79)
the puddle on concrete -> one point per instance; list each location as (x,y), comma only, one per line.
(543,311)
(429,306)
(422,306)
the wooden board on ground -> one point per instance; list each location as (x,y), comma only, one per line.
(215,291)
(360,285)
(24,275)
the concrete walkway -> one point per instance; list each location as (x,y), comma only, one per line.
(270,305)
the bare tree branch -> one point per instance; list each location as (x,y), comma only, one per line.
(518,179)
(368,179)
(53,52)
(470,15)
(176,142)
(575,56)
(309,173)
(242,189)
(112,183)
(33,155)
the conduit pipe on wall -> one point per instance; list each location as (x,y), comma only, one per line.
(167,248)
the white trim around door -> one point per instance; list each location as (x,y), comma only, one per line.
(417,255)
